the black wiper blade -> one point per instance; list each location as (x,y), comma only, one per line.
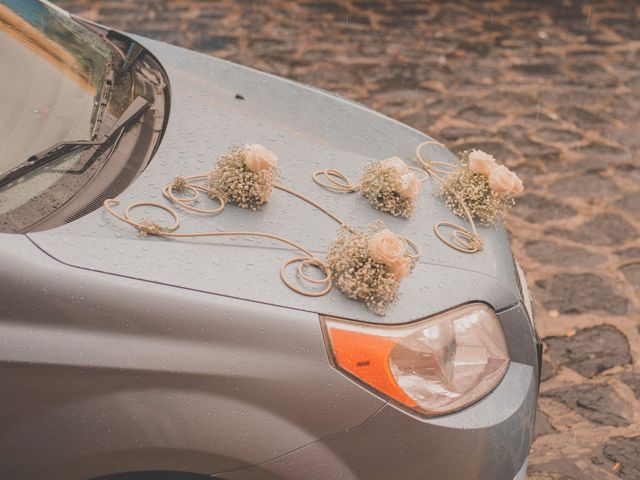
(129,116)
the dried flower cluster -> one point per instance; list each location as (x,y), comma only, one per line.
(368,264)
(245,176)
(485,188)
(391,186)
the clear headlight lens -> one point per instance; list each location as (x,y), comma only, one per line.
(435,366)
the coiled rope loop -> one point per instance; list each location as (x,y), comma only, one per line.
(184,191)
(335,180)
(152,227)
(462,239)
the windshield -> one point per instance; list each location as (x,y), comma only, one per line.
(52,70)
(57,86)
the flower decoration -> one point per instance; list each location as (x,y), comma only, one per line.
(505,182)
(245,176)
(391,186)
(368,265)
(480,188)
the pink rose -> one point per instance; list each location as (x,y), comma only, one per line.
(505,182)
(266,195)
(258,158)
(482,162)
(410,185)
(397,164)
(388,249)
(401,268)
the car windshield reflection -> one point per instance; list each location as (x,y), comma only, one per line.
(52,70)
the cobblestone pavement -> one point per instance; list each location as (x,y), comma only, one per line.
(552,88)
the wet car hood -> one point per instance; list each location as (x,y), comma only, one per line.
(309,130)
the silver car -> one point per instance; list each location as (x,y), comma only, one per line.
(127,356)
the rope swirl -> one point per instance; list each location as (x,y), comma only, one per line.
(190,191)
(462,239)
(181,185)
(151,227)
(334,180)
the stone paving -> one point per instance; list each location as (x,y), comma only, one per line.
(552,89)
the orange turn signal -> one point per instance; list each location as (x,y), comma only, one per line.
(433,366)
(366,357)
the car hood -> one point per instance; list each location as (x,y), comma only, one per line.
(309,130)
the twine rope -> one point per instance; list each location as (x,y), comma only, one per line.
(316,205)
(150,227)
(182,185)
(411,248)
(335,180)
(190,189)
(461,239)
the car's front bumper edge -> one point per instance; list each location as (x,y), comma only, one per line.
(487,441)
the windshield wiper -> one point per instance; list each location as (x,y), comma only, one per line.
(129,116)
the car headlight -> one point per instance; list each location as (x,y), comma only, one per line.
(434,366)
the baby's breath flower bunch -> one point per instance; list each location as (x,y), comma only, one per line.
(391,187)
(368,264)
(485,188)
(245,176)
